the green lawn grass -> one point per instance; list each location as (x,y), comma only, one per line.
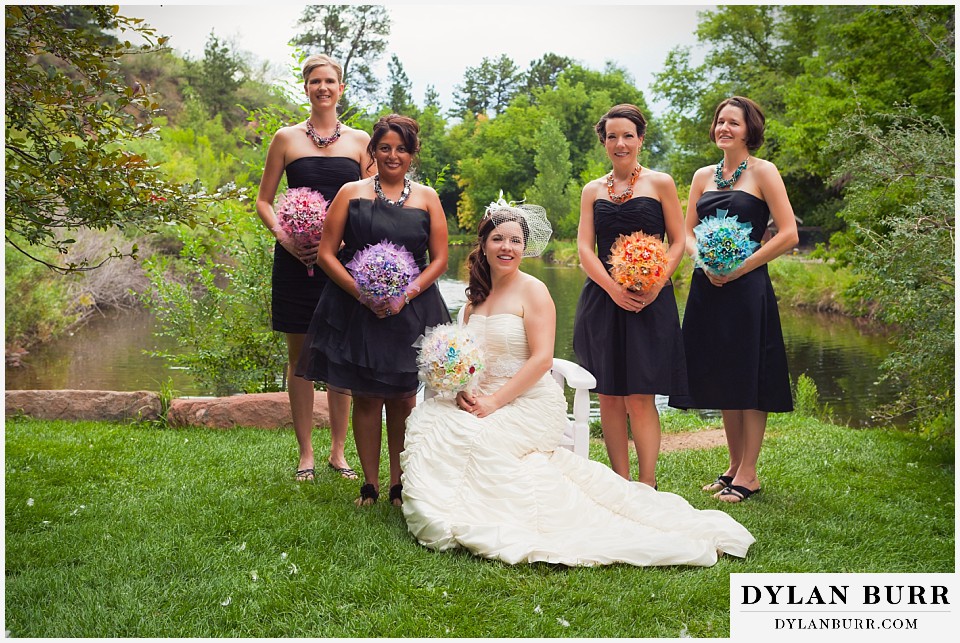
(132,531)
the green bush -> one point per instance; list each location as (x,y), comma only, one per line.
(38,301)
(806,399)
(215,302)
(900,206)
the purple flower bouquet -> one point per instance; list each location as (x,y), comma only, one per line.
(383,271)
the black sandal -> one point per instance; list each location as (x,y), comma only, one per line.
(738,492)
(304,475)
(395,495)
(368,496)
(722,481)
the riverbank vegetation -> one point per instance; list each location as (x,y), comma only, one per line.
(867,158)
(128,530)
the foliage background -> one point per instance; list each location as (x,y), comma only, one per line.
(849,92)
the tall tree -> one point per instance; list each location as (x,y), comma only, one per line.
(808,67)
(544,71)
(554,184)
(220,76)
(399,98)
(355,35)
(69,116)
(491,86)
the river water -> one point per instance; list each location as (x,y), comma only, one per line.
(840,355)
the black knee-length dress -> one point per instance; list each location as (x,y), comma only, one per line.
(294,292)
(347,345)
(629,353)
(736,359)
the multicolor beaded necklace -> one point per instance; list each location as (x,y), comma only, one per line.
(626,194)
(322,141)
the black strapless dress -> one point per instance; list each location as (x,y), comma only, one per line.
(629,353)
(294,292)
(349,347)
(736,359)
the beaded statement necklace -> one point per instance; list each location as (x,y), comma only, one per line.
(626,194)
(383,197)
(728,183)
(323,141)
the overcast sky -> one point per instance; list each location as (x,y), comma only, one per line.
(437,42)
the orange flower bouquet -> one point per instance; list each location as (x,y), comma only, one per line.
(638,261)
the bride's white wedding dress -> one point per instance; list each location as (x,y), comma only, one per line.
(502,487)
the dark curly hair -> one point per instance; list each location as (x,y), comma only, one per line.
(478,288)
(752,116)
(406,127)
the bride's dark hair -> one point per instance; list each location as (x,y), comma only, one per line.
(478,288)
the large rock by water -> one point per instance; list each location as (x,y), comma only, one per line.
(262,410)
(84,405)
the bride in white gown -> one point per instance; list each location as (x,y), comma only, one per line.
(486,472)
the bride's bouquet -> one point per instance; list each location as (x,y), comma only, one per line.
(638,261)
(383,271)
(450,358)
(300,213)
(723,243)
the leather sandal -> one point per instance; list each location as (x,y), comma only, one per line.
(736,491)
(304,475)
(396,498)
(721,483)
(368,496)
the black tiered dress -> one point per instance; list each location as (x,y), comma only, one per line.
(734,346)
(629,353)
(295,293)
(348,346)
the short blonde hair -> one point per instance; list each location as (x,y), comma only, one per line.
(320,60)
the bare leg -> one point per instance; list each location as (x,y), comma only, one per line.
(300,392)
(753,425)
(339,405)
(397,413)
(367,434)
(645,426)
(613,420)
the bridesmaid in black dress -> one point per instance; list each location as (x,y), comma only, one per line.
(629,340)
(365,347)
(736,359)
(321,153)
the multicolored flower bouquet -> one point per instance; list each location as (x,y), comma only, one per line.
(383,271)
(723,243)
(638,261)
(450,358)
(300,213)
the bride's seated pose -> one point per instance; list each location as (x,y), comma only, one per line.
(485,470)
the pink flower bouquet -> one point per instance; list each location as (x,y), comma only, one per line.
(300,213)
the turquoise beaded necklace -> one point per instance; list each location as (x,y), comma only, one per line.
(728,183)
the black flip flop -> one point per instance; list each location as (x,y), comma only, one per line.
(723,481)
(345,472)
(739,492)
(303,473)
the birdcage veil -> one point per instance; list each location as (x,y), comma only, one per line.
(538,228)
